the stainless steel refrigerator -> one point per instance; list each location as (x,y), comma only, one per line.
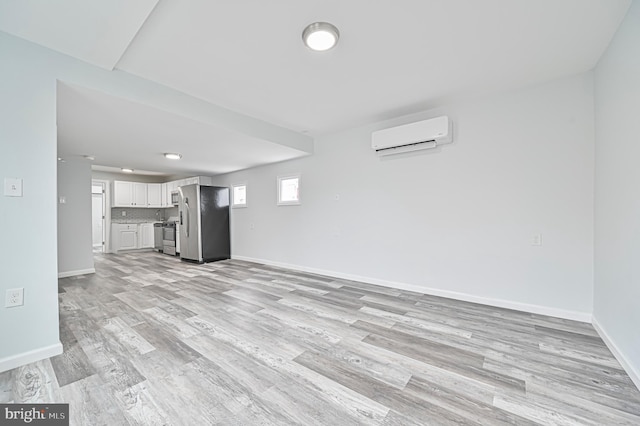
(204,223)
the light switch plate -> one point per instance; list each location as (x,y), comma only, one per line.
(12,187)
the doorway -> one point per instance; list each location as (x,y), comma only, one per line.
(98,216)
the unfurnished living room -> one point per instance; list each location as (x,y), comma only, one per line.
(418,212)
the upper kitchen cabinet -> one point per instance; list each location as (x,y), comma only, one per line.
(204,180)
(154,195)
(140,194)
(122,194)
(164,201)
(151,195)
(130,194)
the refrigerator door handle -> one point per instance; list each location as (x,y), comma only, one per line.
(186,203)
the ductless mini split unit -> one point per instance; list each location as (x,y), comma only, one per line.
(413,137)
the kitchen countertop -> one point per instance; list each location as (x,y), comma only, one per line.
(135,221)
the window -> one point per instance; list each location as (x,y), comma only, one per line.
(288,190)
(239,195)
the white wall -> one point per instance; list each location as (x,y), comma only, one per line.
(456,221)
(617,212)
(96,174)
(28,252)
(28,78)
(75,253)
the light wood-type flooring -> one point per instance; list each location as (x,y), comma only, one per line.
(151,340)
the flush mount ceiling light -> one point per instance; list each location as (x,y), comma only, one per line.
(89,157)
(320,36)
(127,170)
(172,156)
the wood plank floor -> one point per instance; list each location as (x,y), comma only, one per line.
(151,340)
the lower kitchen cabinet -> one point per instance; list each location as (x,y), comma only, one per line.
(145,235)
(131,236)
(177,239)
(124,236)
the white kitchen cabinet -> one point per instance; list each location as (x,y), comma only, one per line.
(205,180)
(151,195)
(164,201)
(154,195)
(122,194)
(128,240)
(191,181)
(124,236)
(145,235)
(131,236)
(129,194)
(200,180)
(171,187)
(178,238)
(139,194)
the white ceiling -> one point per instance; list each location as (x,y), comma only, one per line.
(95,31)
(393,58)
(121,133)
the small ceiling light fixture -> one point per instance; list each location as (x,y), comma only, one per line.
(127,170)
(172,156)
(61,159)
(89,157)
(320,36)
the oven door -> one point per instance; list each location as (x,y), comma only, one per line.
(169,233)
(169,239)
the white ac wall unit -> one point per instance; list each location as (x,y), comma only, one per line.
(413,137)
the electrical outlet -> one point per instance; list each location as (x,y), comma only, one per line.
(124,212)
(14,297)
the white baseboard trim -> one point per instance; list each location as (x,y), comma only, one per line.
(632,371)
(24,358)
(78,272)
(500,303)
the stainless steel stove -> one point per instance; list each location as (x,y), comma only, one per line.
(169,238)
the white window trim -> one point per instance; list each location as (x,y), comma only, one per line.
(233,198)
(289,203)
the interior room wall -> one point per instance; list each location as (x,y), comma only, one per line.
(28,80)
(96,174)
(617,200)
(75,254)
(456,221)
(28,255)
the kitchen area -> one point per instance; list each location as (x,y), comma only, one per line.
(151,216)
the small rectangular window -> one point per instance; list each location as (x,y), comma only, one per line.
(239,195)
(288,190)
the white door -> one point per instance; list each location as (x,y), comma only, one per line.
(98,216)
